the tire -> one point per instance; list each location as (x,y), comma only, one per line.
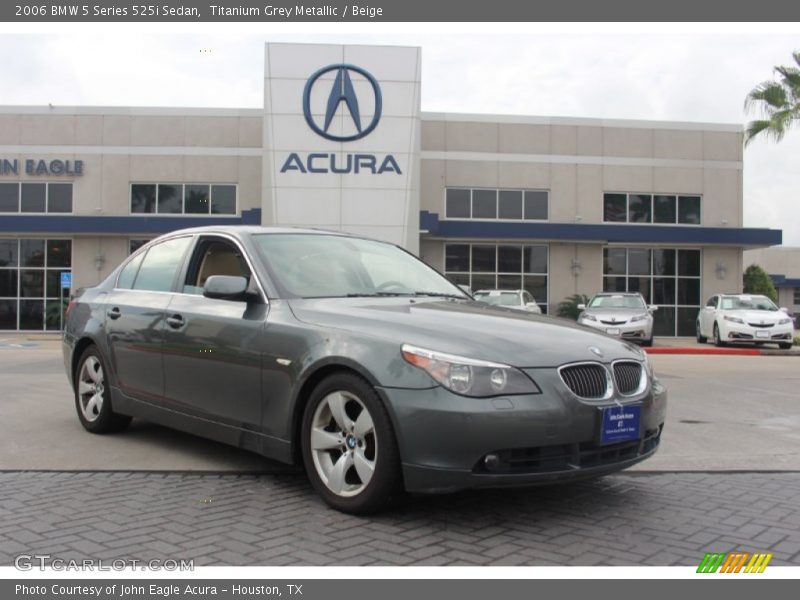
(701,339)
(785,345)
(648,343)
(370,475)
(92,388)
(717,340)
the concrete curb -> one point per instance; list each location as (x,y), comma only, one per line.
(721,351)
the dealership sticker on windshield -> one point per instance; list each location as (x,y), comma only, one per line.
(620,423)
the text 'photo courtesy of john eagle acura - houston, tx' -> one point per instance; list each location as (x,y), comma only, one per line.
(356,359)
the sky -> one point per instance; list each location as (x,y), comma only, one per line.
(652,75)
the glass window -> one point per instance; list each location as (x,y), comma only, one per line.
(484,282)
(59,253)
(638,261)
(8,283)
(510,204)
(9,197)
(641,285)
(614,261)
(614,284)
(509,259)
(128,273)
(31,253)
(712,302)
(687,317)
(535,259)
(8,253)
(663,261)
(484,259)
(689,263)
(143,198)
(484,204)
(31,314)
(797,296)
(536,205)
(640,208)
(31,283)
(223,199)
(510,282)
(665,209)
(196,199)
(663,291)
(53,283)
(536,285)
(664,321)
(689,210)
(134,245)
(8,314)
(456,257)
(170,198)
(54,313)
(688,291)
(457,204)
(615,208)
(59,198)
(34,197)
(161,264)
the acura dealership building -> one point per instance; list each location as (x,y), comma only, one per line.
(556,206)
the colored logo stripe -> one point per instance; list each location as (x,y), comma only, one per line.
(734,562)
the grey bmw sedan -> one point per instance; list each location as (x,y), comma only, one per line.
(356,359)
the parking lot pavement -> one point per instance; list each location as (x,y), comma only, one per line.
(626,519)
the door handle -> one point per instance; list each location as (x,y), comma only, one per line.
(176,321)
(113,313)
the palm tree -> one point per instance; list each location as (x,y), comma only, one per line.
(779,103)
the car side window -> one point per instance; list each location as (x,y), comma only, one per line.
(712,302)
(128,273)
(526,298)
(213,257)
(161,264)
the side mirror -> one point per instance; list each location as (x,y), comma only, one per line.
(581,306)
(652,308)
(466,289)
(225,287)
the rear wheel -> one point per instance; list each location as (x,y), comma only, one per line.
(349,448)
(647,343)
(717,339)
(701,339)
(93,395)
(785,345)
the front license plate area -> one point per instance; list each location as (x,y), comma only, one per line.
(620,423)
(762,334)
(612,330)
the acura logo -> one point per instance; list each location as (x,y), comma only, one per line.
(342,92)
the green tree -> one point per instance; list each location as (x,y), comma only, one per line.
(758,281)
(568,309)
(778,101)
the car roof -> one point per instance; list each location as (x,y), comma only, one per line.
(498,291)
(611,294)
(255,229)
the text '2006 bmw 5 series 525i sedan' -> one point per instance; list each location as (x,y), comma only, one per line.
(357,359)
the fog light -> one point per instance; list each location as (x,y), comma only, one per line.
(491,462)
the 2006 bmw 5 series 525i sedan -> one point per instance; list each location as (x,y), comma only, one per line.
(358,359)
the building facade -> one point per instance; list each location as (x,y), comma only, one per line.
(556,206)
(783,265)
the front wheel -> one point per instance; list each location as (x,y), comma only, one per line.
(717,339)
(349,448)
(785,345)
(93,395)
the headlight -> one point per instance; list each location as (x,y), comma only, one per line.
(784,321)
(588,318)
(639,318)
(733,319)
(468,376)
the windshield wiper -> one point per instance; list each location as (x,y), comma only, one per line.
(437,294)
(376,294)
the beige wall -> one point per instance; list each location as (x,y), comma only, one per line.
(780,260)
(86,249)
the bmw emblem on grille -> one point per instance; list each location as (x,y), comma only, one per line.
(596,351)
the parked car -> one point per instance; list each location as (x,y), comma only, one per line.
(516,299)
(625,315)
(357,360)
(744,318)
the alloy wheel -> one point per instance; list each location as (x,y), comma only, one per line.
(344,444)
(91,387)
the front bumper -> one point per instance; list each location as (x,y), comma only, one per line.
(444,438)
(635,331)
(736,332)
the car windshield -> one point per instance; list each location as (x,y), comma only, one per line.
(617,302)
(503,299)
(323,266)
(747,303)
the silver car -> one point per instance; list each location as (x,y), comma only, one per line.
(516,299)
(626,316)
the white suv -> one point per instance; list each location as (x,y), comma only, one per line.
(744,318)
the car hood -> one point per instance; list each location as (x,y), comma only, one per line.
(472,329)
(756,316)
(614,314)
